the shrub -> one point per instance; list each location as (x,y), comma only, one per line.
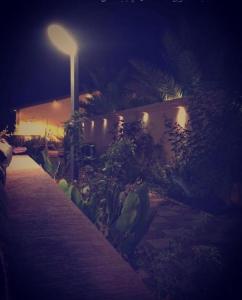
(133,221)
(120,162)
(184,270)
(132,154)
(207,153)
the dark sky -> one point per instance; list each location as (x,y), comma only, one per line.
(109,32)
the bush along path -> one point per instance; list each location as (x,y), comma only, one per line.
(123,217)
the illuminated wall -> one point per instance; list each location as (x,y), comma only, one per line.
(45,119)
(182,116)
(99,129)
(49,118)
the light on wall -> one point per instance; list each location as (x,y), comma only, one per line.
(105,123)
(92,124)
(55,104)
(181,117)
(145,118)
(38,128)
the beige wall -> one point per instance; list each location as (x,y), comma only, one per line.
(47,117)
(98,130)
(50,117)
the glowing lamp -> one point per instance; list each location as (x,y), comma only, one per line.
(62,39)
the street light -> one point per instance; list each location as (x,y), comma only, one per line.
(64,42)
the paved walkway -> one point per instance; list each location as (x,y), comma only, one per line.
(174,220)
(55,252)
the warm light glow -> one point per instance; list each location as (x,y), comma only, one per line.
(62,39)
(105,123)
(55,104)
(145,118)
(181,117)
(88,96)
(39,128)
(92,124)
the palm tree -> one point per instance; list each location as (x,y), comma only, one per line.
(110,91)
(181,61)
(151,83)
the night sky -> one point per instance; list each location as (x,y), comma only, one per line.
(110,33)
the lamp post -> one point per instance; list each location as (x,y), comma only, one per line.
(64,42)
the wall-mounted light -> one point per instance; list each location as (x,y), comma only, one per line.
(55,104)
(181,117)
(92,124)
(145,118)
(105,123)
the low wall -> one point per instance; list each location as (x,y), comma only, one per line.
(98,130)
(48,118)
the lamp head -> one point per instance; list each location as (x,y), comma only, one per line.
(62,39)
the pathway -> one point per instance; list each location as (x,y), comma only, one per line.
(55,252)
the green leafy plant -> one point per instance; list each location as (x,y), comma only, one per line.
(119,158)
(132,153)
(47,163)
(66,188)
(134,220)
(73,138)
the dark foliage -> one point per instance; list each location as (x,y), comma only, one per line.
(208,152)
(132,154)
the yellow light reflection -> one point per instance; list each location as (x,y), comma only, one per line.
(56,104)
(181,117)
